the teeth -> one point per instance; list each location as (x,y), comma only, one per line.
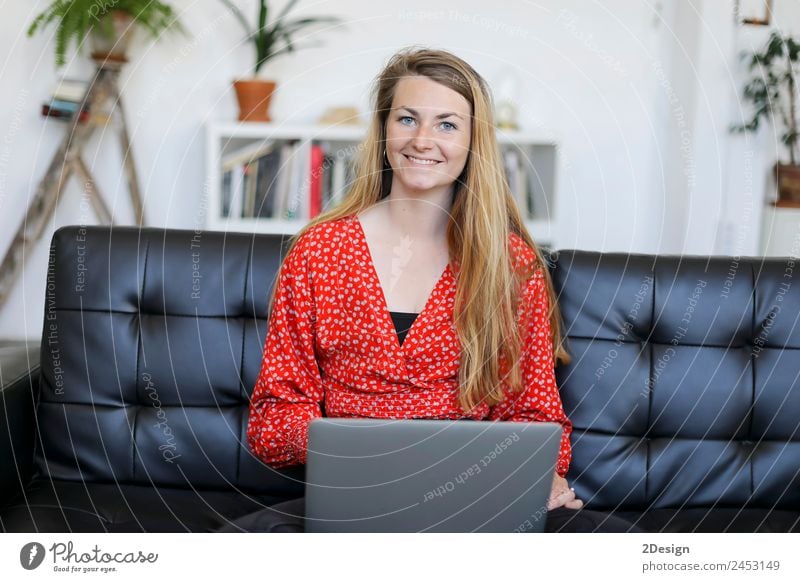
(423,162)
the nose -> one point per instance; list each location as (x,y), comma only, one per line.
(422,139)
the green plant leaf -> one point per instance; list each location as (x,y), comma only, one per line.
(286,9)
(239,17)
(75,19)
(296,25)
(276,38)
(771,88)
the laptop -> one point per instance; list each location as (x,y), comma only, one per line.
(381,475)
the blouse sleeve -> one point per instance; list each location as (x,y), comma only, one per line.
(289,388)
(539,401)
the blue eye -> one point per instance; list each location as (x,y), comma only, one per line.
(404,118)
(450,127)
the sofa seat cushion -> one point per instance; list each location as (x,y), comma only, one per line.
(67,506)
(716,520)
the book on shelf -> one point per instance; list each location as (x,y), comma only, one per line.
(289,181)
(71,90)
(59,113)
(265,167)
(338,176)
(268,184)
(68,106)
(281,181)
(317,168)
(517,177)
(293,205)
(225,200)
(249,188)
(230,199)
(328,162)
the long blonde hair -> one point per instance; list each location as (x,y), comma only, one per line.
(483,215)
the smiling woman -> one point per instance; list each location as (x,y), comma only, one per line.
(429,230)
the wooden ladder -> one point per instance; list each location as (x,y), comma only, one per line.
(102,89)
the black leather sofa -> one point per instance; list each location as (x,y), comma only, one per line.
(684,387)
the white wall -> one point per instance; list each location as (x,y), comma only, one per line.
(714,183)
(605,78)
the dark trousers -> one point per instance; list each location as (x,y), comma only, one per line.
(288,516)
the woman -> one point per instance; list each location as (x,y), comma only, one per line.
(411,298)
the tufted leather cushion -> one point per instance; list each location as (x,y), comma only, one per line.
(152,344)
(684,386)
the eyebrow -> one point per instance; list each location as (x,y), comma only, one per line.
(440,116)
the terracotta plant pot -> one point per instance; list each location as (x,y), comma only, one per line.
(788,180)
(254,96)
(110,43)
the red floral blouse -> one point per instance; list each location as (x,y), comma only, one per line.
(331,349)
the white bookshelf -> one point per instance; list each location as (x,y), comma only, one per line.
(779,232)
(535,153)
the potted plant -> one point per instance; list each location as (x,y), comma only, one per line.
(108,24)
(270,39)
(773,92)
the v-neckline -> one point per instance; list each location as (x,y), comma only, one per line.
(385,312)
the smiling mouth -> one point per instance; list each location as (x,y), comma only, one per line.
(421,161)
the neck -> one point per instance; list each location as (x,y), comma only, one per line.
(423,215)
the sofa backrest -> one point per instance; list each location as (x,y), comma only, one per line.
(151,345)
(684,385)
(683,388)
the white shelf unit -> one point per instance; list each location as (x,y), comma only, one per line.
(535,154)
(779,232)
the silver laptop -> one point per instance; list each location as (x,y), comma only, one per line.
(371,475)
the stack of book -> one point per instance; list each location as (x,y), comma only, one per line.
(284,179)
(66,100)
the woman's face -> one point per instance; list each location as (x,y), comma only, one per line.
(428,135)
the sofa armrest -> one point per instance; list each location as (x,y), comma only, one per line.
(19,384)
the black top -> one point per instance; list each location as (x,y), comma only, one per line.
(402,323)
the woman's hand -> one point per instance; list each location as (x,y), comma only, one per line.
(562,496)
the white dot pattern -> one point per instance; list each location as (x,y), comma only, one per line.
(332,350)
